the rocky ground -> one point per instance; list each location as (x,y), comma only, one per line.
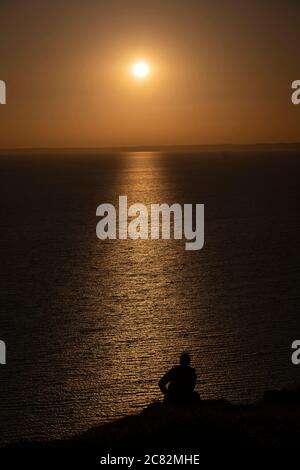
(216,430)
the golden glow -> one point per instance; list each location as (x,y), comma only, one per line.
(140,69)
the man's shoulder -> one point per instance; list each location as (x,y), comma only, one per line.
(192,371)
(173,370)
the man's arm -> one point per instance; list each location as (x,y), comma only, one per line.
(194,379)
(164,381)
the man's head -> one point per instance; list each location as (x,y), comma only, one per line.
(185,359)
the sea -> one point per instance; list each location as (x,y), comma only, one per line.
(91,325)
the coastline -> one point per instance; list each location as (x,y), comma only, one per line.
(271,426)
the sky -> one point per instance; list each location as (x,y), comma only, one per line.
(220,72)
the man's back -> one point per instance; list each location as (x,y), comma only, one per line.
(178,383)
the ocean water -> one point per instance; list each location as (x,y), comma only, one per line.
(91,325)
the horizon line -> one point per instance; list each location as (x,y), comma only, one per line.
(146,147)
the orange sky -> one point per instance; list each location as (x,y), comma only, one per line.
(221,72)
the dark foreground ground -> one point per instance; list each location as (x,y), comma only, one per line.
(216,431)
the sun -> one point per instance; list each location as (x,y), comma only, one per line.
(140,70)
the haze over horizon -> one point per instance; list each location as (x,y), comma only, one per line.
(157,148)
(220,73)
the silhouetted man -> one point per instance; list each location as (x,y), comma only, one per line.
(178,384)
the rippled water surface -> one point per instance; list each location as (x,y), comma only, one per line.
(91,325)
